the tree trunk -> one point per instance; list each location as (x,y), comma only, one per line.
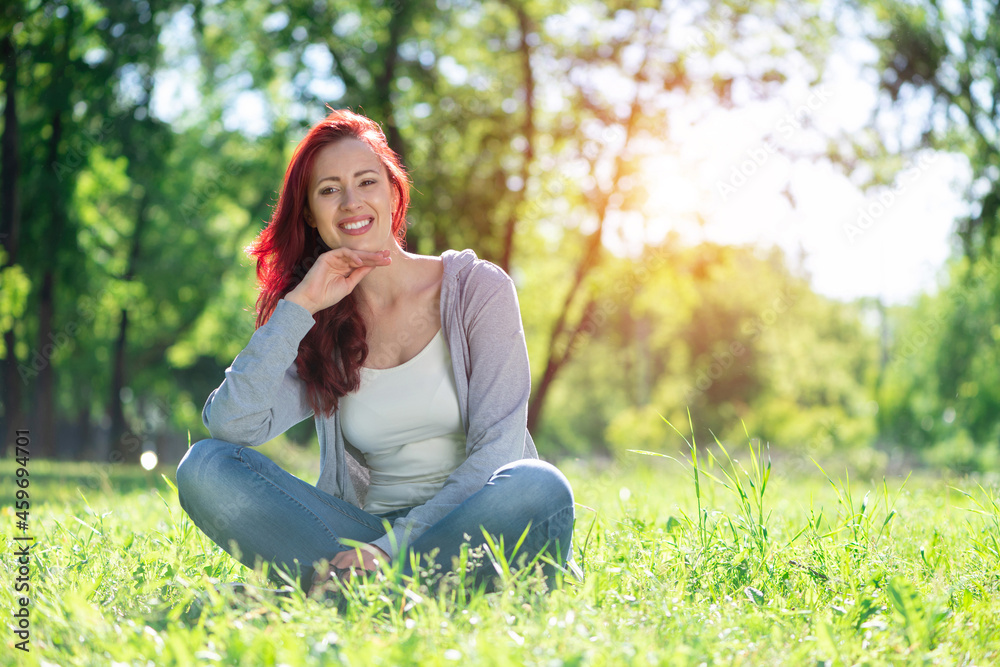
(383,84)
(44,409)
(527,130)
(10,233)
(125,447)
(120,450)
(84,431)
(565,337)
(557,359)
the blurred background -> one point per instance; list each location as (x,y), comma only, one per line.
(780,216)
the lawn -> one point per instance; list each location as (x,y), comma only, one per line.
(687,563)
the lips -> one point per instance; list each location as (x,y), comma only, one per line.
(357,225)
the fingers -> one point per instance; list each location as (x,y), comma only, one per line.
(335,275)
(344,559)
(362,558)
(356,275)
(345,574)
(342,565)
(358,258)
(346,565)
(331,576)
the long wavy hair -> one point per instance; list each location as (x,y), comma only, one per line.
(332,353)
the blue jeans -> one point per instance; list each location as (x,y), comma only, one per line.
(257,511)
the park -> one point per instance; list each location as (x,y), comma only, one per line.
(726,271)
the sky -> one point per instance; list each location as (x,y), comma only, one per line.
(730,179)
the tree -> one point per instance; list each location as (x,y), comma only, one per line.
(10,235)
(613,128)
(40,47)
(947,56)
(525,128)
(733,337)
(941,396)
(105,50)
(945,60)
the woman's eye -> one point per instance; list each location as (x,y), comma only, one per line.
(367,181)
(326,191)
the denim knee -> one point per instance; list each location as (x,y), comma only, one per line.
(537,483)
(199,471)
(545,499)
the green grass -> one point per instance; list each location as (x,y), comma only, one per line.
(708,560)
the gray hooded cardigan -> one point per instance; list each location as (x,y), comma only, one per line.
(262,395)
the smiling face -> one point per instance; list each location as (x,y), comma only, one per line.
(351,197)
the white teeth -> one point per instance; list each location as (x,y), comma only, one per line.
(356,225)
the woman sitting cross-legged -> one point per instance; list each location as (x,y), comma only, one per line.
(414,369)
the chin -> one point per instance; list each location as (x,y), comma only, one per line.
(371,242)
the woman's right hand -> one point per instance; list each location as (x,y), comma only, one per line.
(333,276)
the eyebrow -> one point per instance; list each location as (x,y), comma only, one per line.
(337,178)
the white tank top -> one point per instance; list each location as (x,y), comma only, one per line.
(407,423)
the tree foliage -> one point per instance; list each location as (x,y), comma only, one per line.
(770,356)
(943,59)
(130,195)
(941,393)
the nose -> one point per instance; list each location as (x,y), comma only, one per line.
(349,200)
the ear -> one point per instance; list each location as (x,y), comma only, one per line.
(309,217)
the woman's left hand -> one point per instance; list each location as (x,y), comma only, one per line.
(347,563)
(370,558)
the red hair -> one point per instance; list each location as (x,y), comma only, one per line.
(332,353)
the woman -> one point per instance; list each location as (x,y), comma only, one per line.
(415,371)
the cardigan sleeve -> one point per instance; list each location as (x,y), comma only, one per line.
(262,395)
(499,385)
